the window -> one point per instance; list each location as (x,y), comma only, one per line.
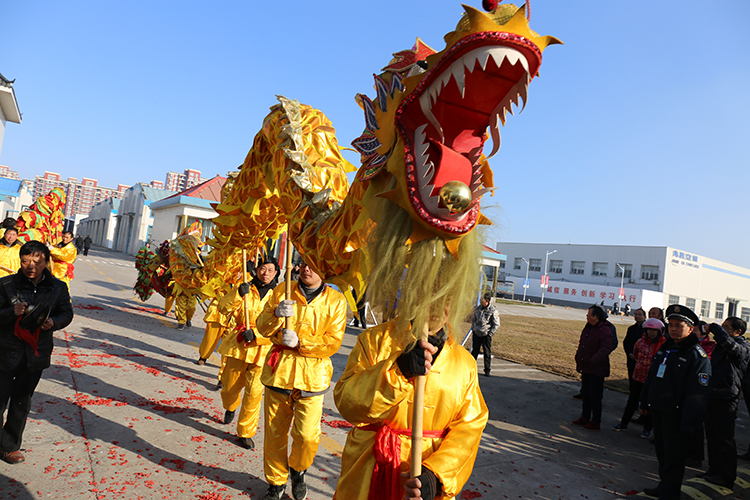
(535,265)
(690,303)
(577,266)
(555,266)
(649,272)
(502,264)
(745,314)
(673,299)
(517,263)
(719,311)
(599,269)
(628,271)
(705,309)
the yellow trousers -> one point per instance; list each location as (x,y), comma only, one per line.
(278,411)
(237,375)
(168,303)
(214,333)
(185,308)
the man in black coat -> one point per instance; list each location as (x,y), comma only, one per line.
(87,244)
(729,361)
(26,338)
(675,394)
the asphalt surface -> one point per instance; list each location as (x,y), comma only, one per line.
(125,413)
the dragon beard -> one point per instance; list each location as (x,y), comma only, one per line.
(419,278)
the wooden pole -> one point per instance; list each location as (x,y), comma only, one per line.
(288,276)
(247,296)
(418,417)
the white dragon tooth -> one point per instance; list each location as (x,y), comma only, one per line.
(424,102)
(469,61)
(478,194)
(457,69)
(524,92)
(495,133)
(482,56)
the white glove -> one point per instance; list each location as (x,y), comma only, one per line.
(289,338)
(285,309)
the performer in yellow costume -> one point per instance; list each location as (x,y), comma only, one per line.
(216,326)
(297,374)
(376,396)
(184,309)
(63,255)
(244,353)
(10,262)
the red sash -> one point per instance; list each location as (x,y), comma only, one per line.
(273,359)
(30,338)
(387,452)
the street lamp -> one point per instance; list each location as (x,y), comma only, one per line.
(526,281)
(544,278)
(621,295)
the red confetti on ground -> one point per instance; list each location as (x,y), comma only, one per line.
(631,493)
(179,464)
(90,307)
(146,309)
(197,439)
(468,495)
(210,496)
(337,424)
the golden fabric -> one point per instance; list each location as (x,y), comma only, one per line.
(185,307)
(372,390)
(62,260)
(168,303)
(303,414)
(214,332)
(238,375)
(9,259)
(320,327)
(231,305)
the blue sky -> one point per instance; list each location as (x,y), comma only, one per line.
(635,132)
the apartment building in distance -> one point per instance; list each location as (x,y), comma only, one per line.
(180,182)
(80,196)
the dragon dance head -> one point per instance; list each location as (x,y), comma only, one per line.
(428,125)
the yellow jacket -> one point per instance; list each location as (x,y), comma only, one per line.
(62,261)
(231,306)
(320,327)
(372,390)
(9,259)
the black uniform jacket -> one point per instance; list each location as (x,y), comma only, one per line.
(728,361)
(682,390)
(18,288)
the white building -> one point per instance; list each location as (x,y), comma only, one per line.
(134,220)
(581,275)
(8,106)
(100,223)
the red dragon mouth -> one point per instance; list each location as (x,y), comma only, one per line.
(444,120)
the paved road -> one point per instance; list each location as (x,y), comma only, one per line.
(125,413)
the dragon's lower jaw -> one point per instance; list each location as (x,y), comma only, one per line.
(444,123)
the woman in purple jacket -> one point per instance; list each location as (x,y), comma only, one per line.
(592,362)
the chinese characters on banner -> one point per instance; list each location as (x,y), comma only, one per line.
(581,292)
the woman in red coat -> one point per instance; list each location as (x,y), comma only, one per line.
(592,362)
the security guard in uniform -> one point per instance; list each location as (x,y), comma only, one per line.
(676,394)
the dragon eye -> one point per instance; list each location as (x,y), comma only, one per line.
(422,64)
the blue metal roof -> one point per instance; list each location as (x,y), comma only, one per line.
(9,187)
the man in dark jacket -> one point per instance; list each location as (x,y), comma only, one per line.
(87,244)
(728,364)
(26,338)
(592,362)
(484,324)
(675,394)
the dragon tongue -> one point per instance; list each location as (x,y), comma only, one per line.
(452,166)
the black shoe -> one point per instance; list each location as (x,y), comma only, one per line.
(274,491)
(180,326)
(744,456)
(486,373)
(693,462)
(652,492)
(201,361)
(228,417)
(246,443)
(717,479)
(219,386)
(299,489)
(578,396)
(709,472)
(188,324)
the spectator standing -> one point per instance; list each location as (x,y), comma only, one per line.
(656,312)
(615,308)
(592,362)
(78,243)
(26,345)
(675,395)
(697,445)
(10,247)
(643,352)
(627,309)
(86,244)
(633,335)
(728,365)
(704,340)
(484,323)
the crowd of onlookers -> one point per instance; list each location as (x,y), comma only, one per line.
(686,385)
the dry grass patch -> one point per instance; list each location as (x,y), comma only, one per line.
(550,345)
